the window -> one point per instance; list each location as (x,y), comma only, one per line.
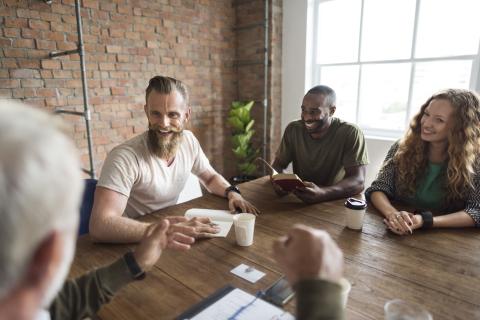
(384,58)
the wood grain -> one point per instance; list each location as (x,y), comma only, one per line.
(437,268)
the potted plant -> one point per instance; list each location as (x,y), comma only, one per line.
(241,122)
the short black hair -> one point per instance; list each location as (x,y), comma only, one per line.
(329,93)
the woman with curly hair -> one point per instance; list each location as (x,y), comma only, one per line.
(434,168)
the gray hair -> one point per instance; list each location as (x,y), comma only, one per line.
(329,93)
(40,187)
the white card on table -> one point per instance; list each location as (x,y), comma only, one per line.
(248,273)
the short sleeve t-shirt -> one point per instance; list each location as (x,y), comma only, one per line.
(322,161)
(147,181)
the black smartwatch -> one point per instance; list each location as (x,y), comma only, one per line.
(232,188)
(135,270)
(427,217)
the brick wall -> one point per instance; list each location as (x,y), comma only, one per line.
(250,67)
(126,43)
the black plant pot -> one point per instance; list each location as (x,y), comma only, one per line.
(241,179)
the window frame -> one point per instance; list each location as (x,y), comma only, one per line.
(315,74)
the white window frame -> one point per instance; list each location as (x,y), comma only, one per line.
(314,76)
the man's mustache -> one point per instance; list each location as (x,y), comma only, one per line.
(157,128)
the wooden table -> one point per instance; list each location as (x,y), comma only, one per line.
(439,269)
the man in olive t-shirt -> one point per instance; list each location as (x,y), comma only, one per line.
(328,154)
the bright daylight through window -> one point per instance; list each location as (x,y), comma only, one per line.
(384,58)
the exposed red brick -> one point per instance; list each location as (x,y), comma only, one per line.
(46,44)
(51,64)
(15,22)
(128,42)
(14,53)
(23,43)
(38,24)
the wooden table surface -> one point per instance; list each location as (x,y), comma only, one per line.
(439,269)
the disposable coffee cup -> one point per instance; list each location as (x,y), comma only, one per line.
(399,310)
(244,226)
(346,287)
(355,213)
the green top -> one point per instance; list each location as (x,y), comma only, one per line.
(322,161)
(430,192)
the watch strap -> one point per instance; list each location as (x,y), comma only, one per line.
(135,270)
(427,217)
(230,189)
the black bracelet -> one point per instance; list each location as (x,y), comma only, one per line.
(427,217)
(135,270)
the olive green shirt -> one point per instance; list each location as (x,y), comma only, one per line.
(322,161)
(82,297)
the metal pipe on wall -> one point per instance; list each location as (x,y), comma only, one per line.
(86,110)
(265,84)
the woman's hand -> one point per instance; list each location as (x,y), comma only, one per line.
(402,222)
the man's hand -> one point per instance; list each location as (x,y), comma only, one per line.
(310,194)
(236,202)
(278,190)
(154,241)
(195,227)
(307,253)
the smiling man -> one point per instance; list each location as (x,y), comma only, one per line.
(148,172)
(328,154)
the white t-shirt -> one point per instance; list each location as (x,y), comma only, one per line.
(147,181)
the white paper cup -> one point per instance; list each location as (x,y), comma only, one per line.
(355,213)
(399,310)
(346,287)
(244,226)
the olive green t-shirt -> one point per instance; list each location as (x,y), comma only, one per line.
(430,193)
(322,161)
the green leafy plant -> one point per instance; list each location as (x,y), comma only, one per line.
(241,122)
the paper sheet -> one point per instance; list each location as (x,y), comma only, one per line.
(223,218)
(255,308)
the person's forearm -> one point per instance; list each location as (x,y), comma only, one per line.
(118,230)
(345,188)
(453,220)
(217,185)
(381,202)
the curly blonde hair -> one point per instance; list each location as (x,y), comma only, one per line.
(411,157)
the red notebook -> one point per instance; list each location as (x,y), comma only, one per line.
(287,181)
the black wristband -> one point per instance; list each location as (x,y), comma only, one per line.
(232,188)
(135,270)
(427,217)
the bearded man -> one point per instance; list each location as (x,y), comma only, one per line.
(328,154)
(148,172)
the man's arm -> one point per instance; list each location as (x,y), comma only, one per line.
(313,264)
(217,184)
(107,223)
(82,297)
(351,184)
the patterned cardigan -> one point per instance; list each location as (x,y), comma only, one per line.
(385,182)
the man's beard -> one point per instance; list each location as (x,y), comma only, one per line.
(164,147)
(318,125)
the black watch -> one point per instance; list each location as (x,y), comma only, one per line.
(427,217)
(232,188)
(135,270)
